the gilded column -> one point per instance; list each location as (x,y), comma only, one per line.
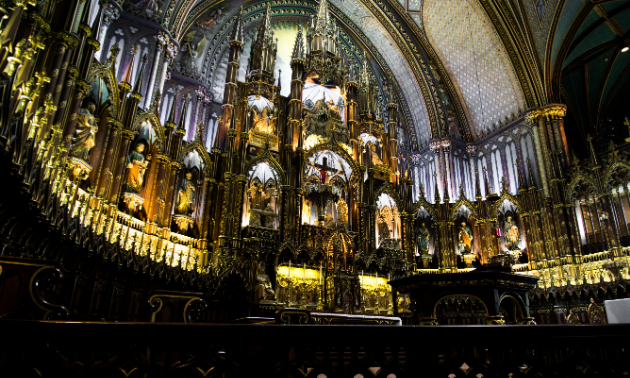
(103,174)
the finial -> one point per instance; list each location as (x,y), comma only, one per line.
(127,78)
(530,173)
(136,87)
(237,32)
(521,182)
(182,119)
(437,189)
(171,117)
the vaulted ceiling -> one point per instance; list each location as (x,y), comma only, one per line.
(478,62)
(591,72)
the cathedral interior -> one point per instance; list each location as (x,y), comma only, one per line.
(314,162)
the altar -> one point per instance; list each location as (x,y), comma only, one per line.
(488,295)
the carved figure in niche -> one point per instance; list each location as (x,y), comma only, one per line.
(375,158)
(257,196)
(322,119)
(383,228)
(465,239)
(306,212)
(212,19)
(84,137)
(342,212)
(572,318)
(264,123)
(423,239)
(186,196)
(145,8)
(512,234)
(404,304)
(269,218)
(136,166)
(263,291)
(330,221)
(596,313)
(190,54)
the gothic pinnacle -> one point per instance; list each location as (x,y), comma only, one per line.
(127,77)
(237,32)
(182,119)
(136,87)
(171,117)
(322,18)
(298,47)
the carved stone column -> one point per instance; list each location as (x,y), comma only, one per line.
(535,119)
(161,43)
(109,14)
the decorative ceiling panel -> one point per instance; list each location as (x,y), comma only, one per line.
(379,36)
(468,45)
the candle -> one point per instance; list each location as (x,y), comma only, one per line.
(289,270)
(377,275)
(320,274)
(304,271)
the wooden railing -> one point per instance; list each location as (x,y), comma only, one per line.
(57,349)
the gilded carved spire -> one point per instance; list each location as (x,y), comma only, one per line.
(322,19)
(136,87)
(264,32)
(127,78)
(182,119)
(437,189)
(298,48)
(477,186)
(531,177)
(237,32)
(171,117)
(521,182)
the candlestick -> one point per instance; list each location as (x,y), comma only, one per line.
(320,274)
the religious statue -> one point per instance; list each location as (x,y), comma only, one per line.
(269,217)
(330,221)
(257,196)
(596,314)
(84,137)
(572,318)
(512,234)
(136,166)
(306,212)
(258,203)
(187,62)
(264,123)
(375,158)
(465,239)
(145,8)
(342,212)
(263,291)
(212,19)
(423,239)
(186,196)
(404,303)
(383,228)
